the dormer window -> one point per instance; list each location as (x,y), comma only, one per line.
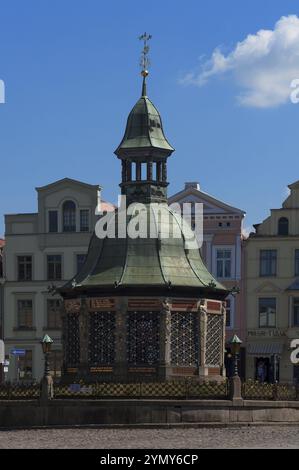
(69,216)
(283,226)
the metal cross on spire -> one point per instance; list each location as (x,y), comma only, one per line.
(144,60)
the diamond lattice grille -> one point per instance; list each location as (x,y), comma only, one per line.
(214,339)
(143,338)
(184,338)
(101,349)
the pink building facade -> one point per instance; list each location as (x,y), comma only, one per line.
(222,253)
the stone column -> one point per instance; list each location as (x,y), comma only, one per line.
(138,171)
(129,171)
(164,172)
(121,365)
(202,370)
(149,173)
(164,368)
(63,315)
(84,338)
(158,174)
(222,365)
(124,171)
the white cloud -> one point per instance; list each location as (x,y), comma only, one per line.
(263,65)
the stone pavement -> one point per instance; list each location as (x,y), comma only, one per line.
(271,437)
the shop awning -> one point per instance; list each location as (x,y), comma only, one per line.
(264,348)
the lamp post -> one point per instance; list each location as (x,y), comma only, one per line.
(235,344)
(235,381)
(47,381)
(46,345)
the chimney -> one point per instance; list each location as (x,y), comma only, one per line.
(192,184)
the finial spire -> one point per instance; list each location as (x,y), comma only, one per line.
(144,60)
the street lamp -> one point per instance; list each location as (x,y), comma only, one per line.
(46,343)
(235,344)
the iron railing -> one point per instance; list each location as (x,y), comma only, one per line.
(252,390)
(19,391)
(183,389)
(169,390)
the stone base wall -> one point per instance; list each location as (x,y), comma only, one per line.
(136,412)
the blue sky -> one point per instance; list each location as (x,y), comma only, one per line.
(71,73)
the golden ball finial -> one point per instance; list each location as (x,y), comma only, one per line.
(144,73)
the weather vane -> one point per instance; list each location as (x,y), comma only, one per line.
(144,60)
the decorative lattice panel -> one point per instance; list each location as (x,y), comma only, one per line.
(143,338)
(184,338)
(101,349)
(173,389)
(214,339)
(72,339)
(19,391)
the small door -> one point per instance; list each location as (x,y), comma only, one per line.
(262,369)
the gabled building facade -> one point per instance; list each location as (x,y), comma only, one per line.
(222,253)
(272,292)
(43,249)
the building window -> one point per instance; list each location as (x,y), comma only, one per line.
(25,314)
(69,216)
(53,314)
(283,226)
(267,312)
(24,268)
(55,363)
(80,260)
(54,267)
(296,262)
(25,366)
(224,263)
(295,316)
(228,313)
(53,221)
(84,220)
(268,260)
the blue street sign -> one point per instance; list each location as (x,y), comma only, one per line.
(18,352)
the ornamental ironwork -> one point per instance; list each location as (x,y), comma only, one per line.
(184,338)
(214,339)
(72,339)
(143,338)
(101,349)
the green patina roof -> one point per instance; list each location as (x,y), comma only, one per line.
(159,261)
(144,128)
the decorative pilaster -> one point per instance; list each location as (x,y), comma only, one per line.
(84,337)
(223,371)
(63,315)
(121,366)
(203,338)
(165,339)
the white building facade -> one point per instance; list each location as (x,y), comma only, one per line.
(43,249)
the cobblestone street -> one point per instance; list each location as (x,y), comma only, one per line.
(201,438)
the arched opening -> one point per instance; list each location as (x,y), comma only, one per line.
(69,216)
(283,226)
